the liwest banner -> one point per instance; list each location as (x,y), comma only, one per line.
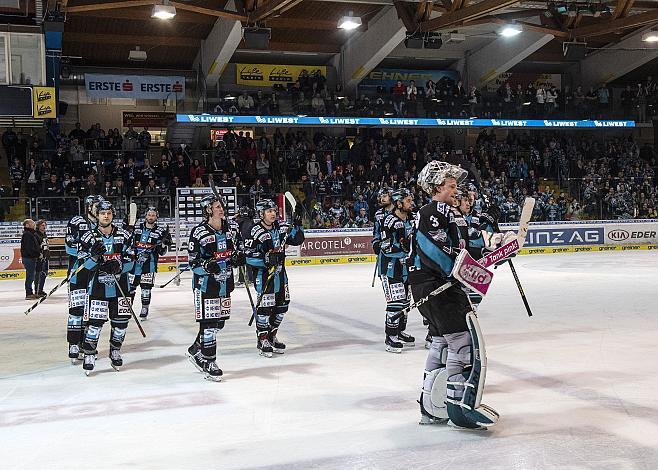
(267,75)
(134,86)
(524,79)
(387,78)
(44,102)
(322,121)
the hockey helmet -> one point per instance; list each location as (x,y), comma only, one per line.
(383,191)
(151,209)
(400,194)
(263,205)
(207,202)
(105,206)
(435,173)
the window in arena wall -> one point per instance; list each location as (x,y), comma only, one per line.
(26,59)
(3,59)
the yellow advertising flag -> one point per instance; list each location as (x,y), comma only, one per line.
(267,75)
(44,102)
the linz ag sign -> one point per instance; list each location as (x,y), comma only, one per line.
(565,236)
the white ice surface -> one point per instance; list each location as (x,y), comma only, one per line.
(575,385)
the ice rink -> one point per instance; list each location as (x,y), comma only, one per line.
(575,385)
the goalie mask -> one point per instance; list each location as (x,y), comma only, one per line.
(435,173)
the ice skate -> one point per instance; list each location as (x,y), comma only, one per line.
(277,346)
(89,363)
(393,345)
(265,348)
(193,354)
(116,359)
(212,371)
(144,313)
(74,354)
(408,340)
(427,419)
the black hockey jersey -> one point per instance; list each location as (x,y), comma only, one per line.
(395,246)
(148,247)
(206,243)
(117,246)
(435,240)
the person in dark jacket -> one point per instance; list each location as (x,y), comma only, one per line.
(30,253)
(42,262)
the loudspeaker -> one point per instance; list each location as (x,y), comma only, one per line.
(257,38)
(414,42)
(574,50)
(63,107)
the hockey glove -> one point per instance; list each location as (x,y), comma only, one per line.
(376,248)
(212,267)
(491,216)
(166,238)
(111,266)
(238,258)
(162,249)
(297,217)
(274,258)
(97,249)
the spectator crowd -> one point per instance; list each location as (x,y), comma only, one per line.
(338,177)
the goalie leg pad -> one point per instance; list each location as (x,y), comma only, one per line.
(465,388)
(433,395)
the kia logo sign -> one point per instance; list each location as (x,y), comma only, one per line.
(618,235)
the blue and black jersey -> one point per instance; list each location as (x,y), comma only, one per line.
(102,285)
(262,241)
(75,229)
(435,240)
(205,244)
(148,247)
(395,246)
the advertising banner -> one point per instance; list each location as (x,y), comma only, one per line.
(267,75)
(322,121)
(387,78)
(134,86)
(330,244)
(524,79)
(44,102)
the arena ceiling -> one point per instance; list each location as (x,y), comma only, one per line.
(102,32)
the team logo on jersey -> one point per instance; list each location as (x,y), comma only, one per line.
(439,235)
(109,256)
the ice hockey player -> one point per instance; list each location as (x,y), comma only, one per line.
(149,242)
(110,259)
(75,229)
(395,246)
(451,367)
(385,207)
(213,253)
(265,251)
(245,220)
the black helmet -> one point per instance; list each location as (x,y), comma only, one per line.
(400,194)
(151,209)
(263,205)
(208,200)
(105,206)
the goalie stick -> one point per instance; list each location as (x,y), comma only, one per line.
(492,258)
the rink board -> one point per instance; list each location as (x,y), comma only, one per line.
(355,259)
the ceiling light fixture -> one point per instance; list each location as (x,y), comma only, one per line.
(349,22)
(164,11)
(511,31)
(650,36)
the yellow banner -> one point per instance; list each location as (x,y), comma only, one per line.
(45,104)
(267,75)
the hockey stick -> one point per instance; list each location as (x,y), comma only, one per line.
(64,281)
(246,285)
(293,203)
(374,274)
(132,312)
(516,276)
(174,278)
(520,287)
